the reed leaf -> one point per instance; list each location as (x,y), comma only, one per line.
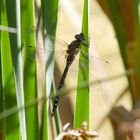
(30,79)
(49,18)
(82,96)
(8,94)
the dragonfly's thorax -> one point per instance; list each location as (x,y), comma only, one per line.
(72,51)
(74,47)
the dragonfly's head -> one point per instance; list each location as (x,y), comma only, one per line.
(80,37)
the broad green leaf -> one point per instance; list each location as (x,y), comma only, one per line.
(30,79)
(13,12)
(8,84)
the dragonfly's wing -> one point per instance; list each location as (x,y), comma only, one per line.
(98,69)
(45,54)
(99,63)
(50,45)
(59,44)
(57,41)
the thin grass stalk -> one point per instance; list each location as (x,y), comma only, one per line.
(2,123)
(8,29)
(82,96)
(19,75)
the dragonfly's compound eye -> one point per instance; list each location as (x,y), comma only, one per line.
(80,37)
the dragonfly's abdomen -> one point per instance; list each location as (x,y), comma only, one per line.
(61,84)
(55,104)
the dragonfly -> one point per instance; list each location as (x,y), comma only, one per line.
(70,50)
(73,49)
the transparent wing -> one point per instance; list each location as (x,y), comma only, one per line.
(99,69)
(98,63)
(60,45)
(47,45)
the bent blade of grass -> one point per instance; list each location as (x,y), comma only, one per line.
(8,29)
(49,18)
(82,96)
(18,73)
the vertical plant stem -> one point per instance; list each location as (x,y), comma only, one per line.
(30,79)
(82,96)
(19,74)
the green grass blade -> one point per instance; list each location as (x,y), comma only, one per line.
(7,78)
(82,97)
(49,18)
(2,123)
(49,15)
(15,41)
(30,79)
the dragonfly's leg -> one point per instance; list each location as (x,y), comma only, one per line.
(84,55)
(86,44)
